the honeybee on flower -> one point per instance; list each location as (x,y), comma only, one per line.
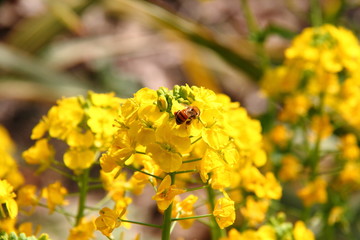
(186,115)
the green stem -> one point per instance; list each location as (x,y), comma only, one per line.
(316,153)
(141,223)
(166,227)
(192,160)
(256,35)
(186,171)
(196,188)
(83,189)
(193,217)
(315,13)
(62,172)
(216,232)
(146,173)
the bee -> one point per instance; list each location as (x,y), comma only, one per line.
(186,115)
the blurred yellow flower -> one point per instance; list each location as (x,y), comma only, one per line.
(26,197)
(41,153)
(314,192)
(79,159)
(301,232)
(290,168)
(55,195)
(185,208)
(83,231)
(255,211)
(8,206)
(336,214)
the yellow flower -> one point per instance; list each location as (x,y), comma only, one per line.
(336,214)
(41,153)
(171,143)
(321,126)
(27,197)
(65,117)
(83,231)
(9,169)
(255,211)
(27,228)
(290,168)
(314,192)
(101,121)
(8,206)
(55,195)
(78,159)
(105,100)
(185,208)
(7,145)
(122,148)
(7,224)
(349,147)
(280,135)
(350,174)
(301,232)
(108,220)
(294,107)
(224,212)
(80,139)
(166,193)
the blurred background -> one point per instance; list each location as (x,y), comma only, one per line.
(55,48)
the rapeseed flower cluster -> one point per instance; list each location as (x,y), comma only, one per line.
(222,145)
(177,141)
(313,143)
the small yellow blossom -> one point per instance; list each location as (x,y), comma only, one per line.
(108,220)
(55,195)
(314,192)
(336,214)
(350,174)
(280,135)
(83,231)
(294,108)
(290,168)
(255,211)
(27,228)
(166,193)
(185,208)
(64,117)
(301,232)
(224,212)
(79,159)
(8,206)
(27,197)
(321,126)
(349,147)
(9,168)
(41,153)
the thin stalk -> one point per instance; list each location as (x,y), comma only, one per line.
(315,13)
(196,188)
(193,217)
(315,154)
(62,173)
(141,223)
(166,227)
(254,31)
(138,170)
(192,160)
(186,171)
(83,189)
